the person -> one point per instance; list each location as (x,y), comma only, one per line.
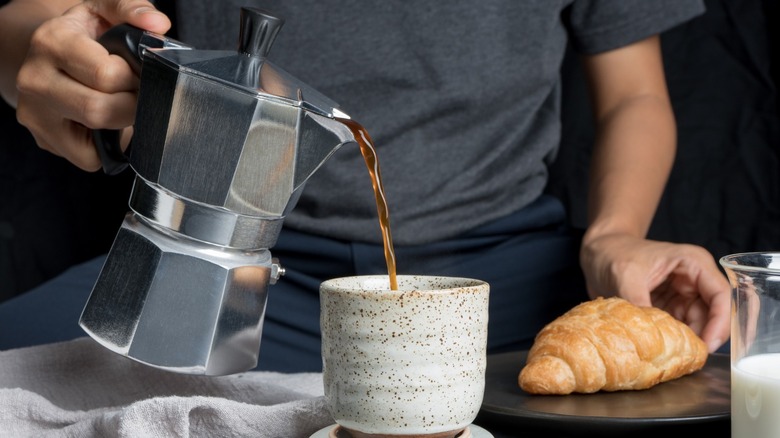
(463,102)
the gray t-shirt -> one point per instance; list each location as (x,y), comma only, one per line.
(462,98)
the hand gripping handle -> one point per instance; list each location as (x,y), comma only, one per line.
(128,42)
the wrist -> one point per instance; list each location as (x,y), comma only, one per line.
(605,228)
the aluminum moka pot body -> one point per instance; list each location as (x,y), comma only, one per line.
(224,142)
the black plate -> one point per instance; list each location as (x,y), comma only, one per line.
(702,397)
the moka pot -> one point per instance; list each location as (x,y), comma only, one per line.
(223,144)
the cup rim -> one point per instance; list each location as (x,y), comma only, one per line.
(453,282)
(730,261)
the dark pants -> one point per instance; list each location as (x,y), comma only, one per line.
(529,259)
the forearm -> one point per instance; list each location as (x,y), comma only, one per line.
(18,21)
(635,142)
(632,158)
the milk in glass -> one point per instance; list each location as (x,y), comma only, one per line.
(755,396)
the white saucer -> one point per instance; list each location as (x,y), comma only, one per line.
(476,432)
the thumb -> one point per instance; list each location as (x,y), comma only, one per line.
(139,13)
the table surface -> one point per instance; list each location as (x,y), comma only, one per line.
(715,429)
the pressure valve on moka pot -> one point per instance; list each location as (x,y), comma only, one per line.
(223,144)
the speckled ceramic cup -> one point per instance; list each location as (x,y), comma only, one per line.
(406,362)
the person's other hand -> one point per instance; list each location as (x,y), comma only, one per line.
(681,279)
(69,84)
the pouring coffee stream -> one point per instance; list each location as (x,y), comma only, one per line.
(372,162)
(223,145)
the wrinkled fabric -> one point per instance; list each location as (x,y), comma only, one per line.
(80,389)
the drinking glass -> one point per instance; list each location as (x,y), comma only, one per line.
(755,343)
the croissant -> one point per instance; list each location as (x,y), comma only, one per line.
(609,344)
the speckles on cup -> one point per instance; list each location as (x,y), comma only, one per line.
(404,362)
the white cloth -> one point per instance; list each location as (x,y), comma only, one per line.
(80,389)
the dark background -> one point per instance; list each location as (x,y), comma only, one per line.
(724,190)
(723,194)
(52,214)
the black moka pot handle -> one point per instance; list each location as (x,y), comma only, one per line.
(128,42)
(123,40)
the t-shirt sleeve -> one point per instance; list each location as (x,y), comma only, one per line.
(601,25)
